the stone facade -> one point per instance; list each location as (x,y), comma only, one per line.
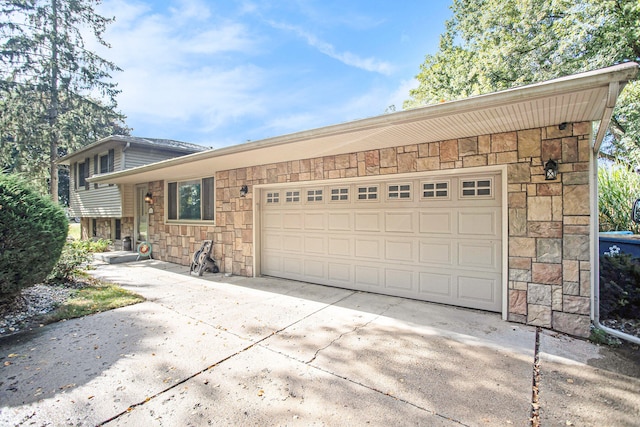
(104,230)
(548,221)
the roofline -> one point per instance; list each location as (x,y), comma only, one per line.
(617,73)
(123,139)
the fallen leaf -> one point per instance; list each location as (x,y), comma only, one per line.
(260,392)
(7,363)
(91,397)
(569,380)
(13,355)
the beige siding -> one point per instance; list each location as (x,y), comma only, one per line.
(127,200)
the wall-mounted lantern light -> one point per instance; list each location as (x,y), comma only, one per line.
(551,170)
(244,190)
(148,197)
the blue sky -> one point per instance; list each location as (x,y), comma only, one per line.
(219,73)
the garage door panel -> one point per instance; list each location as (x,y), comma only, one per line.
(314,221)
(400,250)
(314,245)
(478,255)
(436,251)
(272,220)
(436,222)
(367,248)
(340,273)
(368,221)
(478,291)
(339,246)
(399,222)
(314,268)
(292,243)
(340,221)
(272,265)
(399,279)
(428,247)
(272,241)
(292,267)
(368,276)
(478,222)
(292,221)
(434,284)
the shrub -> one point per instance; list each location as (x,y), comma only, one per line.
(74,254)
(33,231)
(619,287)
(100,245)
(618,187)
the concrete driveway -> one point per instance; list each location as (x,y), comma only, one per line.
(239,351)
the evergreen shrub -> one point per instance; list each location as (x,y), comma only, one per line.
(33,231)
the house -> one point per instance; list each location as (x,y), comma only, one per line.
(107,210)
(449,203)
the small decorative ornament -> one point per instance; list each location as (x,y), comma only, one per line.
(144,250)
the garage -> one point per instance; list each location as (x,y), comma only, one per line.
(432,238)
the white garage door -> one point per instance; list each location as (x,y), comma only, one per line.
(431,239)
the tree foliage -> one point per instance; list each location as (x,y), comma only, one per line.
(33,231)
(55,95)
(491,45)
(618,187)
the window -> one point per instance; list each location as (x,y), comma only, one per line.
(191,200)
(477,188)
(82,174)
(292,196)
(368,193)
(273,197)
(399,191)
(339,194)
(314,195)
(104,164)
(94,227)
(432,190)
(117,232)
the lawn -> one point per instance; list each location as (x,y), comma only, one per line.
(74,230)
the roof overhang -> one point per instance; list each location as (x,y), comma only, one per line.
(582,97)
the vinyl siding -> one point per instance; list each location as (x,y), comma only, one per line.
(101,202)
(127,200)
(135,157)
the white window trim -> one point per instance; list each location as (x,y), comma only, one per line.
(491,188)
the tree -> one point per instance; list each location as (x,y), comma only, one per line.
(55,95)
(491,45)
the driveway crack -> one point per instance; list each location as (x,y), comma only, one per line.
(210,367)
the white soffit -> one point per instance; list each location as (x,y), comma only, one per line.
(578,98)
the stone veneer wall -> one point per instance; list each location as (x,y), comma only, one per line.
(548,248)
(103,230)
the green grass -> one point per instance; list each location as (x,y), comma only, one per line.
(74,230)
(95,298)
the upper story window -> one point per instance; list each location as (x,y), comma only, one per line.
(82,174)
(191,200)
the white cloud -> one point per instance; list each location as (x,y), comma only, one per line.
(348,58)
(168,62)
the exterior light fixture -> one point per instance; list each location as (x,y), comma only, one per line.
(551,170)
(244,190)
(148,197)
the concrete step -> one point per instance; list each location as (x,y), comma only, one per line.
(116,257)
